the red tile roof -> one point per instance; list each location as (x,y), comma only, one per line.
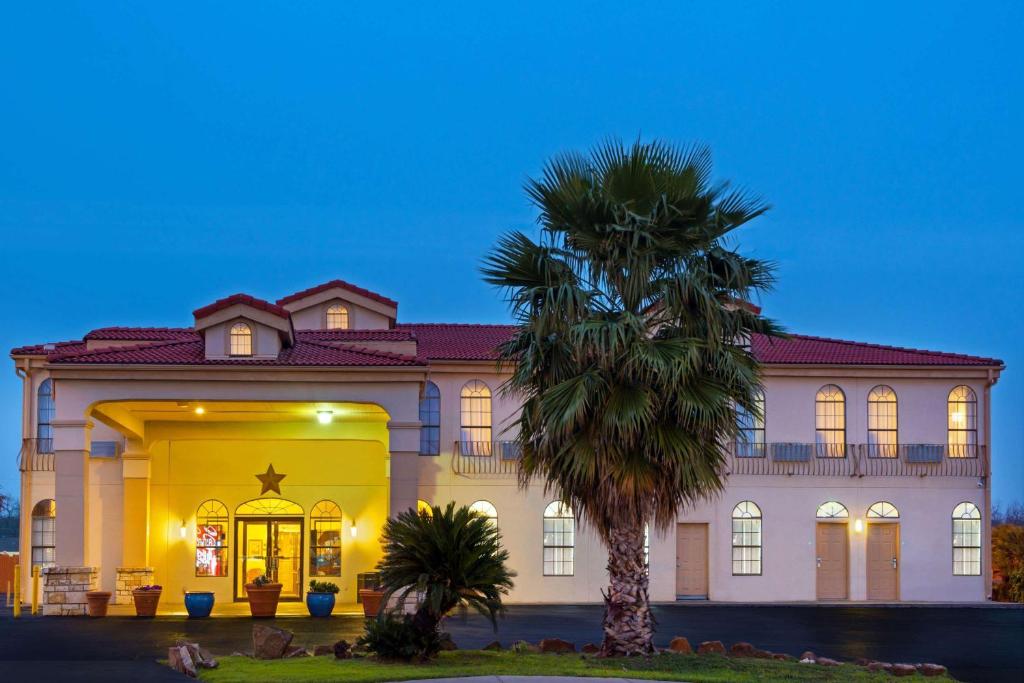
(341,284)
(446,341)
(245,299)
(192,352)
(41,350)
(354,335)
(141,333)
(801,349)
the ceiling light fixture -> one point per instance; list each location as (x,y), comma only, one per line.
(324,416)
(200,410)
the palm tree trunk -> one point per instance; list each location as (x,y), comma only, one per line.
(628,623)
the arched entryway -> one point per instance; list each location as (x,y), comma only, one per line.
(269,533)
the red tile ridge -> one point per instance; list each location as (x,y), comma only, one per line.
(241,298)
(341,284)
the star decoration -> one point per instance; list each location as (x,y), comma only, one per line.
(271,480)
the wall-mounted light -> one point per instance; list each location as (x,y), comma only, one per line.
(324,416)
(183,530)
(200,410)
(352,529)
(858,525)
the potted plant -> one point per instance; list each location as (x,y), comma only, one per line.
(198,604)
(146,599)
(320,598)
(97,602)
(263,596)
(371,597)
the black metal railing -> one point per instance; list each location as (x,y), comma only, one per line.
(858,460)
(485,458)
(36,455)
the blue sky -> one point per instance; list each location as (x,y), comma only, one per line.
(155,158)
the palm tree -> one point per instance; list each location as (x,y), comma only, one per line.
(451,557)
(630,357)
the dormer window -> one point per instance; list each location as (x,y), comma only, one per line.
(241,340)
(337,317)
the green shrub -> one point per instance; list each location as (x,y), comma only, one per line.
(1015,585)
(322,586)
(395,637)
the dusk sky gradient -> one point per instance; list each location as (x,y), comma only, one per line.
(158,157)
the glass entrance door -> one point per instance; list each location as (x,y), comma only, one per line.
(272,547)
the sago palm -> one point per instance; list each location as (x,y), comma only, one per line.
(450,557)
(630,358)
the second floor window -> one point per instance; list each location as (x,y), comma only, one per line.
(475,431)
(750,429)
(430,420)
(830,422)
(240,340)
(883,424)
(963,422)
(337,317)
(45,410)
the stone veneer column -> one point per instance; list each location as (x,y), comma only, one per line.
(403,468)
(64,590)
(71,442)
(128,579)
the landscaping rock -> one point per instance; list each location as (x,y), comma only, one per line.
(825,661)
(179,659)
(808,655)
(342,650)
(680,645)
(879,666)
(269,642)
(931,669)
(903,670)
(523,647)
(763,654)
(783,657)
(556,646)
(295,651)
(590,649)
(324,650)
(201,657)
(493,646)
(742,650)
(711,647)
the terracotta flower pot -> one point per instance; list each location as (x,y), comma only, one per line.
(146,602)
(263,599)
(97,603)
(371,601)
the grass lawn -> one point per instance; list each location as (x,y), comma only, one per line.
(666,667)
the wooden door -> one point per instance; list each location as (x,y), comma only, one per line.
(883,561)
(833,555)
(692,560)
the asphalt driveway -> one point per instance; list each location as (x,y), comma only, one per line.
(976,643)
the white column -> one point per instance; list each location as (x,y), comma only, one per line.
(71,442)
(403,465)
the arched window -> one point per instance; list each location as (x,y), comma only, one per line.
(475,432)
(337,317)
(212,539)
(44,528)
(883,422)
(966,540)
(559,539)
(830,422)
(746,539)
(750,435)
(883,509)
(268,507)
(325,539)
(485,508)
(430,420)
(241,340)
(963,422)
(423,508)
(45,410)
(832,510)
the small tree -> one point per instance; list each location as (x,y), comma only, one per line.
(448,557)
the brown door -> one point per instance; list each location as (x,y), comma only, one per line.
(692,560)
(833,552)
(883,561)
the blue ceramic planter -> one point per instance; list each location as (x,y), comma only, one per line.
(199,604)
(320,604)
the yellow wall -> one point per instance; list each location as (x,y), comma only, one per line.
(188,468)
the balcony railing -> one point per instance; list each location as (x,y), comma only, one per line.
(858,460)
(36,455)
(486,458)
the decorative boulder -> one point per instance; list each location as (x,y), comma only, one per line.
(201,657)
(179,659)
(879,666)
(763,654)
(782,657)
(742,650)
(323,650)
(295,651)
(825,661)
(342,650)
(590,649)
(269,642)
(903,670)
(711,647)
(556,646)
(931,669)
(523,647)
(493,646)
(680,645)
